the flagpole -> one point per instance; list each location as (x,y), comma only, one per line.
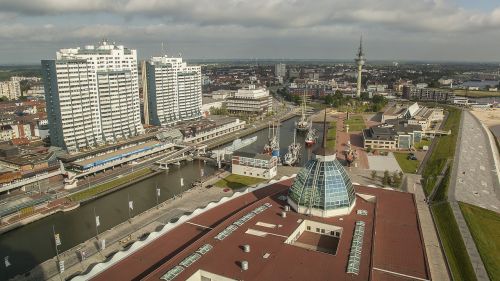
(128,205)
(157,195)
(96,229)
(55,242)
(57,252)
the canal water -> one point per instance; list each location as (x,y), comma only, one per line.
(32,244)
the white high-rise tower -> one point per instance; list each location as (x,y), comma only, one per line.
(360,61)
(92,96)
(173,91)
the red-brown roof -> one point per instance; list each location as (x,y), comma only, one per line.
(392,243)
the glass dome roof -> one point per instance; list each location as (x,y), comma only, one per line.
(322,184)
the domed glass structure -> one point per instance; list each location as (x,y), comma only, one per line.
(322,188)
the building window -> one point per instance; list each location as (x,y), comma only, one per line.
(317,230)
(308,227)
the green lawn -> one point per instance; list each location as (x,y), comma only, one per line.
(91,192)
(485,228)
(236,181)
(422,143)
(332,135)
(408,166)
(453,244)
(356,123)
(445,148)
(476,94)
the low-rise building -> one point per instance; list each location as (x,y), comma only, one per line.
(428,94)
(250,100)
(209,128)
(414,114)
(254,165)
(398,135)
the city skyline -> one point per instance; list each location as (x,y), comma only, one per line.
(439,30)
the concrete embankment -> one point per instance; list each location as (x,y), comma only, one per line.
(121,236)
(51,208)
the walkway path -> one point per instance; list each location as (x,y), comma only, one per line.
(471,159)
(433,249)
(125,233)
(476,178)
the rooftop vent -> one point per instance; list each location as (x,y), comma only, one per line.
(246,248)
(244,265)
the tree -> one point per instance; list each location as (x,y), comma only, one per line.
(374,174)
(386,179)
(396,180)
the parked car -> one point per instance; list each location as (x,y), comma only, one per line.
(411,156)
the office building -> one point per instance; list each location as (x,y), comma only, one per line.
(92,96)
(250,100)
(173,91)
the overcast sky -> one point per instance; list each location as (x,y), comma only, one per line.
(445,30)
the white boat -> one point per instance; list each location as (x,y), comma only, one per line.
(237,144)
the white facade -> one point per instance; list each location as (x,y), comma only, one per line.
(280,70)
(173,91)
(92,96)
(10,90)
(250,100)
(257,166)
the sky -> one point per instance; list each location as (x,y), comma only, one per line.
(398,30)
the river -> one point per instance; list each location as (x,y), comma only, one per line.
(32,244)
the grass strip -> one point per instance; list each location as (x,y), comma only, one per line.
(93,191)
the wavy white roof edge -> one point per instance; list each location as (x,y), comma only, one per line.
(122,254)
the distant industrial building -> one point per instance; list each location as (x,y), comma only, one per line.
(250,100)
(427,94)
(92,96)
(173,91)
(254,165)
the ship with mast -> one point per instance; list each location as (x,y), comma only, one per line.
(303,124)
(273,147)
(293,155)
(312,135)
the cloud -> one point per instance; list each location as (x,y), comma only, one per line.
(252,28)
(423,15)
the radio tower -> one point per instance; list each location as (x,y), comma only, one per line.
(360,61)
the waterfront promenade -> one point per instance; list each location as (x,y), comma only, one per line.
(124,234)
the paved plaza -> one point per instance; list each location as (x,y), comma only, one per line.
(476,176)
(383,163)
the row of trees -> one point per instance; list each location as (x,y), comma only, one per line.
(338,100)
(393,180)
